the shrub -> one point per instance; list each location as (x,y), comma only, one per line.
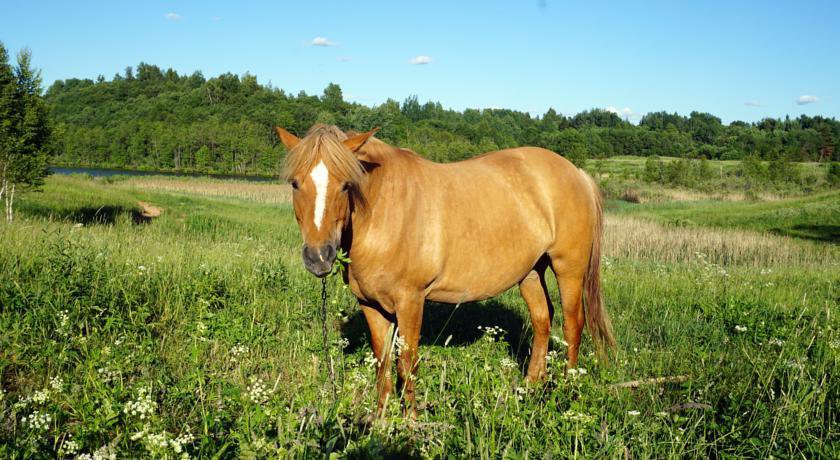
(630,195)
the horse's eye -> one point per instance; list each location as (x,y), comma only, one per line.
(294,184)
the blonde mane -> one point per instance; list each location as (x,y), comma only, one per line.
(323,143)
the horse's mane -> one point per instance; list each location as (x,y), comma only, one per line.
(323,143)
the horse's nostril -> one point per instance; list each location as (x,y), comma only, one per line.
(328,253)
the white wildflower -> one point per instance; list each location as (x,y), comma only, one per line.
(63,322)
(103,453)
(37,421)
(776,341)
(70,447)
(633,413)
(107,375)
(239,350)
(57,384)
(573,416)
(41,396)
(257,391)
(509,363)
(144,406)
(399,344)
(371,361)
(739,328)
(492,333)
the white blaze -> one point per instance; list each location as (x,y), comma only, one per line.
(321,177)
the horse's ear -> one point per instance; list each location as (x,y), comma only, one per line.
(288,139)
(356,142)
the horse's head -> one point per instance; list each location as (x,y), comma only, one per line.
(326,178)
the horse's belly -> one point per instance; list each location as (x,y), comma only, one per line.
(483,274)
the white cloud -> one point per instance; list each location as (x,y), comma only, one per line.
(752,104)
(625,113)
(322,41)
(420,60)
(806,99)
(173,17)
(215,18)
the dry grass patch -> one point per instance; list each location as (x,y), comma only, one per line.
(253,191)
(637,238)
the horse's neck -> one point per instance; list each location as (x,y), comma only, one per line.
(388,187)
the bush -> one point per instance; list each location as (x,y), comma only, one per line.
(630,195)
(832,175)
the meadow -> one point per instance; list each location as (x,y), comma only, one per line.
(197,333)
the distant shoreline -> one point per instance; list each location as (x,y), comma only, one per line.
(108,172)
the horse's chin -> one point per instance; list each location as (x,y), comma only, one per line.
(318,272)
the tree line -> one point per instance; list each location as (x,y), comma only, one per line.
(146,117)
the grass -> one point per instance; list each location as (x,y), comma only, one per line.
(198,332)
(815,217)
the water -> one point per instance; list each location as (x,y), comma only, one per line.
(103,172)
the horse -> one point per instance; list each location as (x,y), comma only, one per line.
(455,232)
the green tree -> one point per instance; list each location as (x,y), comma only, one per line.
(25,130)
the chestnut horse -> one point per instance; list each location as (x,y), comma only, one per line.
(457,232)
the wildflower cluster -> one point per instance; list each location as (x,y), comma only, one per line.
(575,373)
(578,417)
(63,322)
(709,268)
(257,392)
(107,375)
(776,341)
(69,448)
(492,333)
(238,351)
(399,343)
(37,421)
(103,453)
(508,363)
(371,361)
(144,406)
(57,384)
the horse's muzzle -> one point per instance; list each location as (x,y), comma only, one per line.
(319,261)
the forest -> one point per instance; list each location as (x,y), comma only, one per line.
(149,118)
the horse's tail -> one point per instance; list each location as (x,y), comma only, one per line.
(597,320)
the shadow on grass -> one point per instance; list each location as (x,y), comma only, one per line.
(824,233)
(88,215)
(457,325)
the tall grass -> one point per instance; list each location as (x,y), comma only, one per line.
(198,333)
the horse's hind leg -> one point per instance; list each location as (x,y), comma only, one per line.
(570,281)
(534,292)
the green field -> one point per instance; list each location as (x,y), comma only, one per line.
(197,332)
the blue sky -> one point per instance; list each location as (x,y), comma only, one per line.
(737,59)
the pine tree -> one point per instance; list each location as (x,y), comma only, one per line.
(8,118)
(26,133)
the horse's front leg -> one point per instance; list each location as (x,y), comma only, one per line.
(409,321)
(380,340)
